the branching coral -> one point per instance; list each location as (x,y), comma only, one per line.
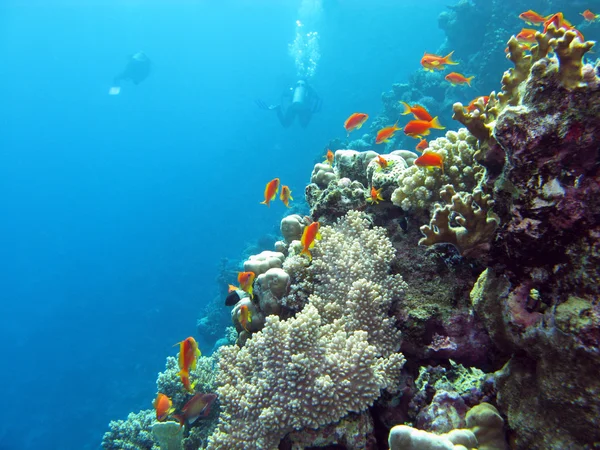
(333,357)
(476,222)
(131,434)
(418,188)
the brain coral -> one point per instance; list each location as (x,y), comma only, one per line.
(332,358)
(418,188)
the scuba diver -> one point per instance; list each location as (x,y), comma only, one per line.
(299,101)
(137,70)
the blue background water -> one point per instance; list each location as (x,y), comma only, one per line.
(115,211)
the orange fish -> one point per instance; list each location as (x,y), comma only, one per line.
(383,163)
(385,134)
(590,16)
(271,190)
(430,160)
(198,407)
(310,233)
(163,406)
(286,195)
(375,196)
(355,121)
(433,62)
(245,317)
(559,21)
(532,18)
(420,128)
(246,281)
(416,110)
(473,105)
(329,157)
(422,145)
(458,78)
(188,354)
(526,35)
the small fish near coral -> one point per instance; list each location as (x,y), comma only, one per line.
(590,16)
(375,196)
(246,281)
(355,121)
(309,235)
(418,111)
(433,62)
(286,195)
(481,100)
(382,162)
(420,128)
(271,190)
(188,355)
(329,156)
(422,145)
(456,79)
(429,160)
(559,21)
(198,407)
(245,317)
(386,134)
(532,18)
(163,406)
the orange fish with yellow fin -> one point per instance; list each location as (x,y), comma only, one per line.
(163,406)
(271,190)
(286,195)
(355,121)
(375,196)
(309,235)
(188,355)
(432,62)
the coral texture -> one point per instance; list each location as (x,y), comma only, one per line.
(334,357)
(134,433)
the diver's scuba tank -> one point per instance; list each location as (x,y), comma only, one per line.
(299,92)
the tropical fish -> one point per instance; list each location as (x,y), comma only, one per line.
(310,233)
(198,407)
(532,18)
(375,196)
(559,21)
(329,157)
(355,121)
(385,134)
(246,281)
(419,128)
(383,163)
(458,78)
(433,62)
(526,35)
(590,16)
(271,190)
(416,110)
(523,45)
(188,354)
(245,316)
(286,195)
(422,145)
(163,406)
(430,160)
(473,104)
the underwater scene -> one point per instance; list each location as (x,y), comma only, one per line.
(300,224)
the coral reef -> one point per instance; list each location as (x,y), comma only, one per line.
(334,357)
(418,188)
(134,433)
(476,223)
(485,431)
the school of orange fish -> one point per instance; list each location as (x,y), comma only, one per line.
(199,405)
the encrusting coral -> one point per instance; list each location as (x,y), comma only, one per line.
(474,217)
(418,188)
(334,357)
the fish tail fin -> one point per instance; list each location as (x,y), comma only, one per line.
(448,59)
(306,252)
(179,419)
(469,79)
(435,123)
(406,108)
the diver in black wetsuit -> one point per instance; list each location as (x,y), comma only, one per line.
(299,101)
(137,70)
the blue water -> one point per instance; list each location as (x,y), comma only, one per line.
(116,210)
